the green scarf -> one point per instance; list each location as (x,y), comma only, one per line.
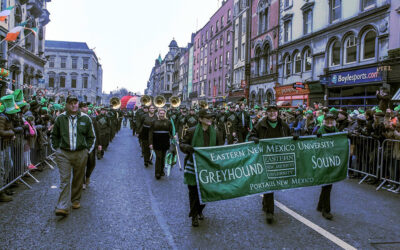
(272,124)
(198,139)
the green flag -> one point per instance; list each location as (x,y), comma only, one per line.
(237,170)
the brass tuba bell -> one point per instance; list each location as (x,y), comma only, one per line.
(159,101)
(175,101)
(115,102)
(145,100)
(203,105)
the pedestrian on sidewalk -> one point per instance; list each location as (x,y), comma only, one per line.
(72,138)
(202,135)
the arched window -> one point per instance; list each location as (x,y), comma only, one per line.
(307,60)
(265,59)
(257,62)
(368,41)
(297,62)
(262,11)
(288,65)
(350,49)
(334,53)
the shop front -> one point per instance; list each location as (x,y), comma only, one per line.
(354,89)
(292,95)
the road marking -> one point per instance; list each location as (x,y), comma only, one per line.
(315,227)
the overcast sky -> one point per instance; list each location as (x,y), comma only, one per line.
(127,35)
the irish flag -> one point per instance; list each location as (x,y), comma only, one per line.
(5,13)
(14,33)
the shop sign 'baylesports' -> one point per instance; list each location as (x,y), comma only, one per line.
(357,76)
(232,171)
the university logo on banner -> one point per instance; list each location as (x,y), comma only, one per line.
(232,171)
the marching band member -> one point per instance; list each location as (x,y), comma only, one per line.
(269,127)
(146,121)
(202,135)
(159,139)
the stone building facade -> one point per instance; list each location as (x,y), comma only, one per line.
(264,51)
(73,68)
(25,58)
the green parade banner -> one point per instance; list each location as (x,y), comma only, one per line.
(232,171)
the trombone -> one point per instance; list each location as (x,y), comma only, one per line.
(228,125)
(184,130)
(203,105)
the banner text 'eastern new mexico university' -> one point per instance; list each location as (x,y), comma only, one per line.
(232,171)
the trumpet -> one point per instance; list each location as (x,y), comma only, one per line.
(159,101)
(145,100)
(184,130)
(175,101)
(115,103)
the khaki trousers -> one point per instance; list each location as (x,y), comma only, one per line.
(70,163)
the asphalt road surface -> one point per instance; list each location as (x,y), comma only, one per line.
(125,207)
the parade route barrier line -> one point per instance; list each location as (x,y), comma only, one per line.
(390,162)
(232,171)
(315,227)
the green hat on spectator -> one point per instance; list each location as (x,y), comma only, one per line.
(361,110)
(309,112)
(43,100)
(256,107)
(57,106)
(397,108)
(10,105)
(91,105)
(89,112)
(2,108)
(333,110)
(19,98)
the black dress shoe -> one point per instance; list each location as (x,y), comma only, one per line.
(201,216)
(158,176)
(327,215)
(270,218)
(195,221)
(319,209)
(146,165)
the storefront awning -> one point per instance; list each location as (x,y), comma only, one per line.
(396,96)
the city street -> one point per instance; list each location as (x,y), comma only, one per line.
(125,207)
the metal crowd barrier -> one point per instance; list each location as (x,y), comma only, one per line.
(390,162)
(13,160)
(365,153)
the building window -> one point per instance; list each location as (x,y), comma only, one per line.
(216,44)
(243,51)
(211,48)
(207,35)
(236,55)
(350,49)
(217,26)
(85,82)
(262,11)
(236,31)
(287,30)
(74,63)
(368,4)
(297,63)
(288,3)
(85,63)
(307,60)
(51,81)
(63,62)
(222,22)
(244,27)
(229,14)
(228,39)
(368,41)
(62,81)
(51,62)
(336,10)
(215,63)
(220,61)
(73,81)
(209,88)
(221,42)
(227,57)
(212,31)
(288,65)
(334,54)
(307,22)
